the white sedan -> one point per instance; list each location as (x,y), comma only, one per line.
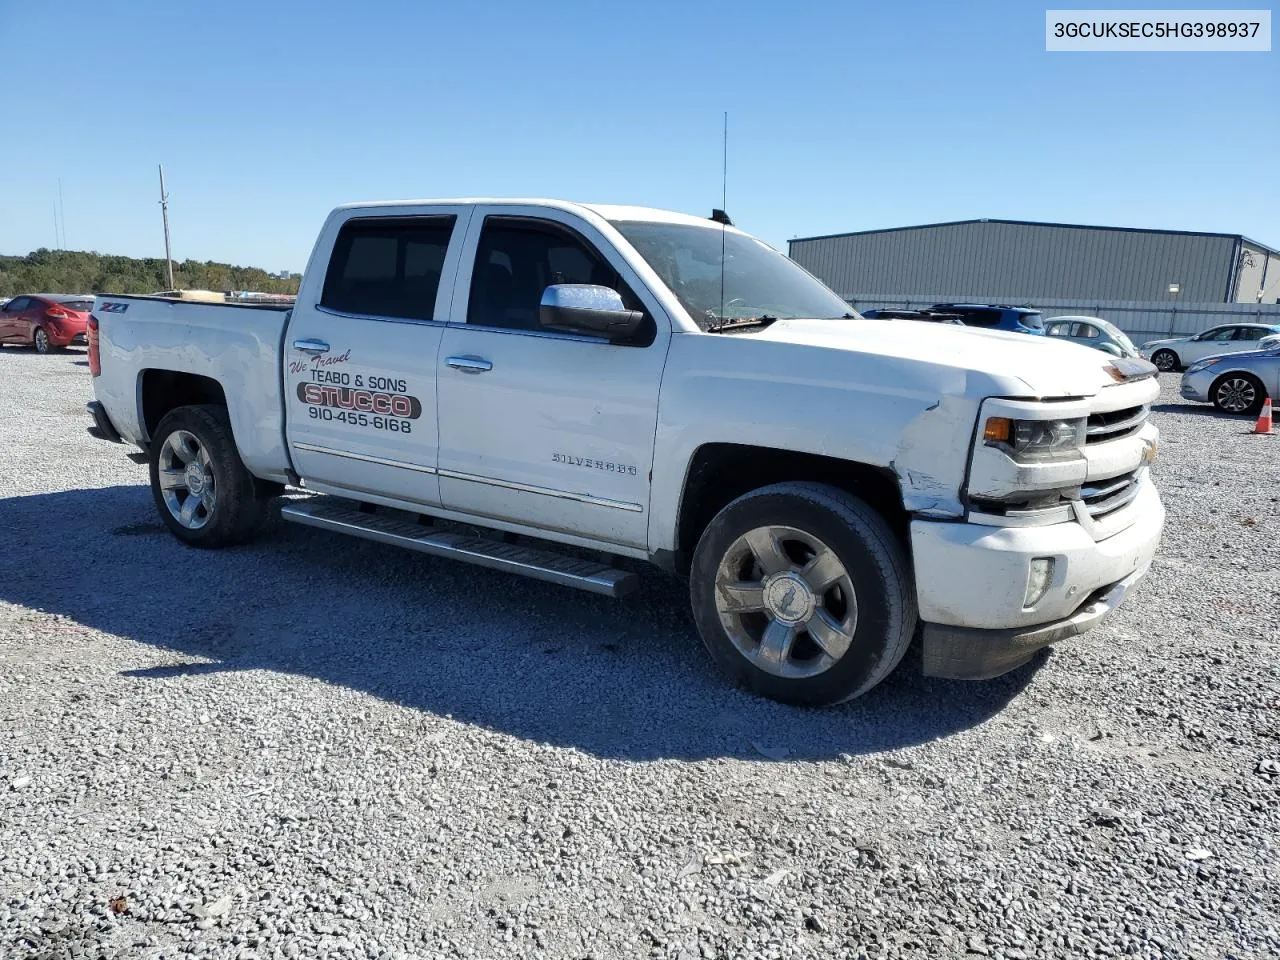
(1177,353)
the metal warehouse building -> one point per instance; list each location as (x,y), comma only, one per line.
(1016,261)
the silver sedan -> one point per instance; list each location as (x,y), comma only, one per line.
(1237,382)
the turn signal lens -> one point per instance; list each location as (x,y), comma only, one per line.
(998,430)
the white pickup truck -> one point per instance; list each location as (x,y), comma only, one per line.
(587,384)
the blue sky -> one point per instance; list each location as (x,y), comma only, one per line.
(842,116)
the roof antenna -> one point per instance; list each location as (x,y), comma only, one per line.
(719,216)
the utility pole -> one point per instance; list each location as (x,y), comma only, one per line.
(164,212)
(62,215)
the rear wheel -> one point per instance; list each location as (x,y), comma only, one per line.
(1166,361)
(802,594)
(205,495)
(1238,393)
(40,340)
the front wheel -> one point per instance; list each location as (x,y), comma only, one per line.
(802,594)
(1238,393)
(1166,361)
(205,494)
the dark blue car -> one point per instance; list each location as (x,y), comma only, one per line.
(995,317)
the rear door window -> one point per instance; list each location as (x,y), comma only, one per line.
(1086,331)
(17,305)
(1250,333)
(388,267)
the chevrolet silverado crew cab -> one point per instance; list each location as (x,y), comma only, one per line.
(556,389)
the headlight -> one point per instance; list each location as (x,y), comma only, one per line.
(1203,364)
(1036,439)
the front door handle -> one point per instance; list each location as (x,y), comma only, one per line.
(470,364)
(311,346)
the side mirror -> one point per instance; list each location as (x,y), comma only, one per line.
(586,308)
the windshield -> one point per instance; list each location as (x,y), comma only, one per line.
(759,282)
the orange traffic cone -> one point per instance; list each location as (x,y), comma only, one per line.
(1264,418)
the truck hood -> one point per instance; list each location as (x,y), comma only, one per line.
(1029,366)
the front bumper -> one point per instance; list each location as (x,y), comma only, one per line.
(1195,386)
(972,583)
(961,653)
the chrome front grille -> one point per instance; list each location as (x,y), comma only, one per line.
(1106,496)
(1115,424)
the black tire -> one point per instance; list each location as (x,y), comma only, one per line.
(240,508)
(1166,361)
(1254,406)
(871,556)
(40,341)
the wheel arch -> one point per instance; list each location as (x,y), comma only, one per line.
(160,391)
(719,473)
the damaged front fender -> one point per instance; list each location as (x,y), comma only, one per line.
(932,455)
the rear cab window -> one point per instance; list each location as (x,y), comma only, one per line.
(388,267)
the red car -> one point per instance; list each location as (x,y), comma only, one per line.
(46,321)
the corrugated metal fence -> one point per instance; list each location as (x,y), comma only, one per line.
(1148,320)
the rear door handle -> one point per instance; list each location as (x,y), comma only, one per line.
(311,346)
(470,364)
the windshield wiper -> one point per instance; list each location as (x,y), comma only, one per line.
(761,321)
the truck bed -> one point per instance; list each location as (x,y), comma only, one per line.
(238,346)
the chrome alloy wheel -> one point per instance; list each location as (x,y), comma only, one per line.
(186,479)
(786,601)
(1236,395)
(40,341)
(1165,360)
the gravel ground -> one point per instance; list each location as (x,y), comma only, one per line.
(321,747)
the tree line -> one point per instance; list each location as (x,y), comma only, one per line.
(75,271)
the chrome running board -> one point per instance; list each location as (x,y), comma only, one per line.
(496,555)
